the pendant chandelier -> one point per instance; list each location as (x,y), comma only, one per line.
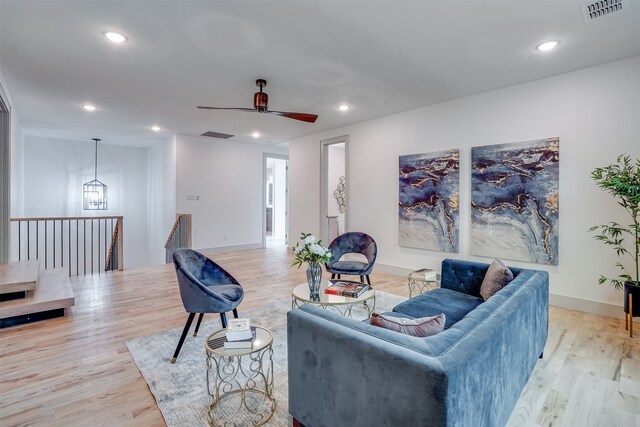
(94,193)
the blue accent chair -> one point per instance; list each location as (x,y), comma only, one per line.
(352,243)
(205,287)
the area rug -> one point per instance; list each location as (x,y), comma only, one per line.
(180,389)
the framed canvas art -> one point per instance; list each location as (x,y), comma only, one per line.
(514,201)
(429,200)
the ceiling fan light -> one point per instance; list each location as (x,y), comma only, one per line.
(261,105)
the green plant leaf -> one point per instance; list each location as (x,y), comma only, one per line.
(622,181)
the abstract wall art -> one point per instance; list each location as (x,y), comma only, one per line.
(429,201)
(514,201)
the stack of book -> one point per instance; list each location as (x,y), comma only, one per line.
(240,335)
(347,288)
(424,275)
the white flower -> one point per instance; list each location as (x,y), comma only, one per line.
(310,250)
(316,249)
(311,239)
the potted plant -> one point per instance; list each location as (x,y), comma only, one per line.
(312,252)
(622,181)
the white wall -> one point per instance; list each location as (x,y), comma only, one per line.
(54,171)
(17,166)
(304,186)
(161,197)
(228,178)
(595,112)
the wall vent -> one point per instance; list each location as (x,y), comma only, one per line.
(212,134)
(600,8)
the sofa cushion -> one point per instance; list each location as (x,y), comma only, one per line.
(454,305)
(348,267)
(420,327)
(496,278)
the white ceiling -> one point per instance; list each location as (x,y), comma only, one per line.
(381,57)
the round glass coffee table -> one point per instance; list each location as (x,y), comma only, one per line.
(240,381)
(343,305)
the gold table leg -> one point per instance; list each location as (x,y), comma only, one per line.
(229,376)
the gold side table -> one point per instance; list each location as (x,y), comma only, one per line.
(240,381)
(419,283)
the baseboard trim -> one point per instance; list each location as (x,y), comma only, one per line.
(589,306)
(230,248)
(394,269)
(564,301)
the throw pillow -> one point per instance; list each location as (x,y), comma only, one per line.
(496,278)
(422,327)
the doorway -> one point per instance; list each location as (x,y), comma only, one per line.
(334,192)
(5,176)
(275,230)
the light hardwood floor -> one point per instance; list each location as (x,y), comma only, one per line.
(76,371)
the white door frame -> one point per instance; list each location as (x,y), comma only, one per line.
(5,175)
(324,185)
(266,156)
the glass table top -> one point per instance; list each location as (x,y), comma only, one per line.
(263,339)
(301,292)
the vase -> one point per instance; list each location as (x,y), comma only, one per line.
(630,288)
(314,275)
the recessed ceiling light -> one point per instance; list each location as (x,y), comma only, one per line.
(343,107)
(89,107)
(155,128)
(546,46)
(256,134)
(115,37)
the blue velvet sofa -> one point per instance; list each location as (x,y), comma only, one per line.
(343,372)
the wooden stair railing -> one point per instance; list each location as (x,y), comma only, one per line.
(115,258)
(81,244)
(179,237)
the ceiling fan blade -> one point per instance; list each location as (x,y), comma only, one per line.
(304,117)
(224,108)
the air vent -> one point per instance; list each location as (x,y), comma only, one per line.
(600,8)
(212,134)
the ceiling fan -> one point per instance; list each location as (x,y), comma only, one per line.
(261,105)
